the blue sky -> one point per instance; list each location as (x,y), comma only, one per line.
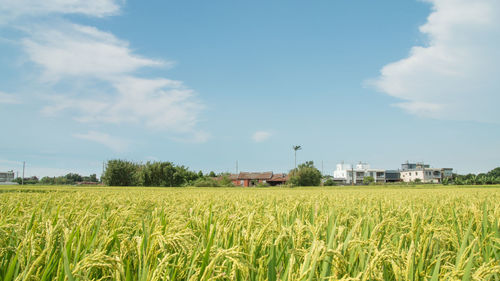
(205,84)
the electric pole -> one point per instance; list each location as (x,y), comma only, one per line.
(352,175)
(22,179)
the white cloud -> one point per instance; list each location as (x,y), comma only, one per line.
(456,75)
(73,50)
(158,104)
(96,73)
(11,9)
(85,55)
(8,98)
(114,143)
(261,136)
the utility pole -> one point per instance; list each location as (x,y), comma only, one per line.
(322,179)
(352,175)
(236,166)
(22,179)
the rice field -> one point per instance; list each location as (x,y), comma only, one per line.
(373,233)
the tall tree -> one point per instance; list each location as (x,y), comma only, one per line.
(295,148)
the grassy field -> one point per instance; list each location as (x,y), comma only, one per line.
(371,233)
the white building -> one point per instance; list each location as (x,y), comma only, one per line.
(348,174)
(6,177)
(424,173)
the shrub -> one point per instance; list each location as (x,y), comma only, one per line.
(206,182)
(262,184)
(368,180)
(329,182)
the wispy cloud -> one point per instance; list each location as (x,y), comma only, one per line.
(158,104)
(261,136)
(12,9)
(72,50)
(9,98)
(114,143)
(98,72)
(456,75)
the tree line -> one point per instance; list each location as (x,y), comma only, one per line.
(492,177)
(68,179)
(127,173)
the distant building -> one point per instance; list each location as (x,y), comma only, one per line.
(411,172)
(413,166)
(392,176)
(247,179)
(446,173)
(347,174)
(7,176)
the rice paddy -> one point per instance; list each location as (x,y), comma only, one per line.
(374,233)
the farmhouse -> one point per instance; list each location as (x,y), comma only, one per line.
(247,179)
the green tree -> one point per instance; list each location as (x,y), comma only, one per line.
(48,180)
(305,175)
(206,182)
(329,182)
(225,181)
(494,173)
(368,180)
(91,178)
(120,173)
(32,180)
(72,178)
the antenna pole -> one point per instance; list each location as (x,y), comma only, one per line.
(352,175)
(22,179)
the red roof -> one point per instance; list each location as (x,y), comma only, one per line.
(232,177)
(279,177)
(267,176)
(255,176)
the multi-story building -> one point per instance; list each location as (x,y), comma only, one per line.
(413,166)
(7,176)
(411,172)
(392,176)
(347,174)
